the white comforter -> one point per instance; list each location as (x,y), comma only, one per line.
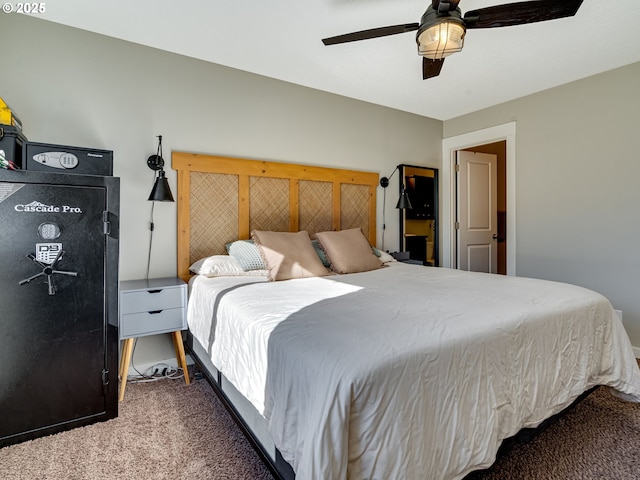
(407,372)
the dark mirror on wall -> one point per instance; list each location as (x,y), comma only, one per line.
(419,225)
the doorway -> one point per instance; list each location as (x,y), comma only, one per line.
(502,136)
(419,224)
(481,241)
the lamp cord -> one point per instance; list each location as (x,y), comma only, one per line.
(384,223)
(151,228)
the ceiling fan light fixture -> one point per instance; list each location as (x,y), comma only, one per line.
(442,28)
(441,39)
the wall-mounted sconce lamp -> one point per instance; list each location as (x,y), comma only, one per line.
(403,201)
(161,192)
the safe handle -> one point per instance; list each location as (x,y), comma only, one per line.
(48,271)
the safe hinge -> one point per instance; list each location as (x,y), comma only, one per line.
(106,224)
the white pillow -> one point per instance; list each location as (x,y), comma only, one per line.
(222,265)
(385,257)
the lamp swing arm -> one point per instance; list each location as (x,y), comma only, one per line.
(384,181)
(156,162)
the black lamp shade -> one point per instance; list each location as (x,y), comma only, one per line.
(161,191)
(403,201)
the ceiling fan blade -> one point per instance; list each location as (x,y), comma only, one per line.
(431,68)
(521,13)
(372,33)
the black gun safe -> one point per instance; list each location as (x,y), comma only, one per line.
(58,302)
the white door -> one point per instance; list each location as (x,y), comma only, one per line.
(477,232)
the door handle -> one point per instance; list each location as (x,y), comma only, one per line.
(495,236)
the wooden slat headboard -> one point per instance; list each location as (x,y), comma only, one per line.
(221,199)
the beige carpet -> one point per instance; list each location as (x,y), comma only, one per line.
(169,431)
(598,439)
(164,430)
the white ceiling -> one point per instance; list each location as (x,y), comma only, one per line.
(282,39)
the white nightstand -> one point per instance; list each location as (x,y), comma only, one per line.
(150,307)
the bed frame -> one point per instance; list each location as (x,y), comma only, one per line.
(221,199)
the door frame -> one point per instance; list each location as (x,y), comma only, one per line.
(505,132)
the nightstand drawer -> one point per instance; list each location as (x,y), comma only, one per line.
(149,323)
(152,299)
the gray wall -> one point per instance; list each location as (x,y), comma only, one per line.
(77,88)
(73,87)
(577,189)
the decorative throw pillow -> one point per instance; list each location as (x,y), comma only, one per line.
(321,255)
(289,255)
(246,252)
(349,251)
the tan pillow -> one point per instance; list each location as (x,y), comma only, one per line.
(289,255)
(349,251)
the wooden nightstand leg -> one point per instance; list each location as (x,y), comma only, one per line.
(182,361)
(125,360)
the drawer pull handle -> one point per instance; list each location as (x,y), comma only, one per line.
(154,291)
(154,312)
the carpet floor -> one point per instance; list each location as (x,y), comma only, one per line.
(166,430)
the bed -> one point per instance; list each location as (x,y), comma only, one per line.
(399,371)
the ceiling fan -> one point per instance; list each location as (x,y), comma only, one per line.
(442,28)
